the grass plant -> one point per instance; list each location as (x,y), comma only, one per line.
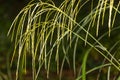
(46,31)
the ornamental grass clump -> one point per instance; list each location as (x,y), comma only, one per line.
(53,33)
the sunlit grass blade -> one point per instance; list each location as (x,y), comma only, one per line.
(110,15)
(99,16)
(104,10)
(113,21)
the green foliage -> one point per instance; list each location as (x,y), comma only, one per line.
(51,34)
